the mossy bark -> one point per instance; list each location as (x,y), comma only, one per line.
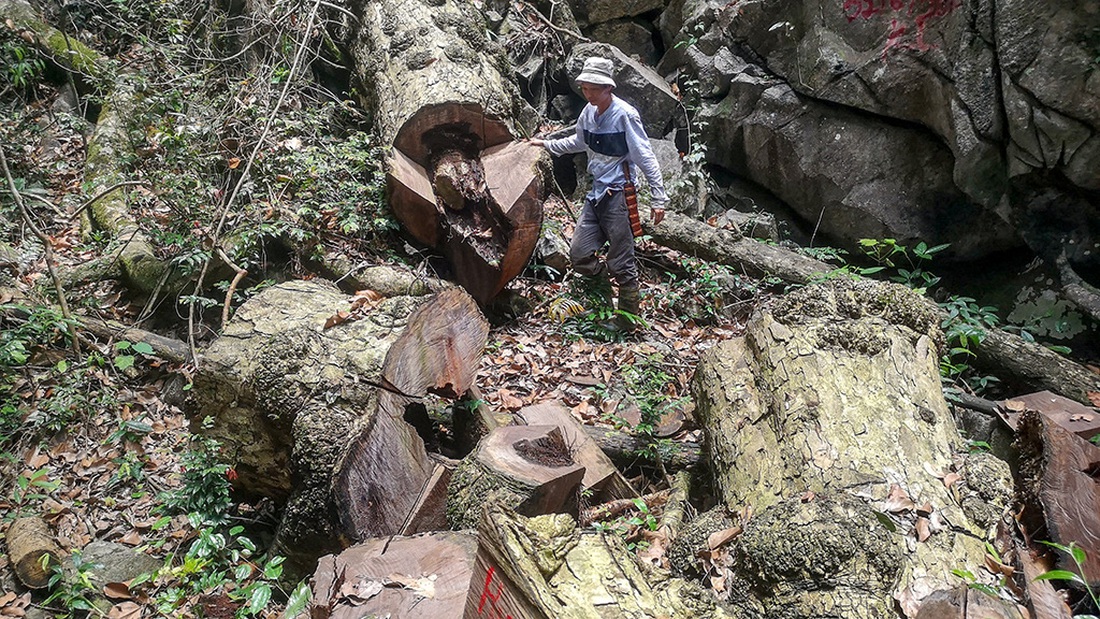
(834,393)
(313,416)
(546,568)
(67,52)
(108,147)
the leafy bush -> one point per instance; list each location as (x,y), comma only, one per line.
(206,483)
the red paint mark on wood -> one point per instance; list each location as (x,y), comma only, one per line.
(909,19)
(487,595)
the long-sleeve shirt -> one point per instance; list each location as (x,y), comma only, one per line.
(610,138)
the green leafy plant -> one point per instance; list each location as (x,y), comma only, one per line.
(74,588)
(43,326)
(226,561)
(1079,557)
(30,489)
(628,526)
(648,383)
(206,483)
(22,66)
(908,266)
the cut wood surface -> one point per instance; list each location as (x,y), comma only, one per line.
(600,474)
(456,178)
(1058,489)
(398,577)
(29,540)
(525,468)
(311,409)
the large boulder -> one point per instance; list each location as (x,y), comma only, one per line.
(860,176)
(1008,89)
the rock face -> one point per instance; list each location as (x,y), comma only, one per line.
(996,94)
(830,411)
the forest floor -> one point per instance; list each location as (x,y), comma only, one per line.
(99,443)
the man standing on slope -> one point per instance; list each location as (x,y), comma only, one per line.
(610,129)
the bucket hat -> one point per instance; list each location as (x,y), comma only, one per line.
(597,71)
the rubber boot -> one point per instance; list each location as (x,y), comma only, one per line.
(629,302)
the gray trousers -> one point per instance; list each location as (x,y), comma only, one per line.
(605,221)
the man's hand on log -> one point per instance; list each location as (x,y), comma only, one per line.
(536,142)
(657,214)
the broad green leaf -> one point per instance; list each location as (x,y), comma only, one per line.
(298,600)
(261,595)
(123,345)
(243,571)
(143,348)
(1060,575)
(123,362)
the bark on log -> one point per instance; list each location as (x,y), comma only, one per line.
(1034,366)
(525,468)
(1058,489)
(600,475)
(314,416)
(624,449)
(835,393)
(450,110)
(401,577)
(29,540)
(729,247)
(544,568)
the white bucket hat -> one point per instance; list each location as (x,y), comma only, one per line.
(597,71)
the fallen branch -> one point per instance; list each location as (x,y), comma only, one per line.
(241,273)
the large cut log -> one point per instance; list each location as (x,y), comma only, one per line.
(399,577)
(444,100)
(1059,489)
(311,410)
(600,475)
(831,408)
(525,468)
(545,568)
(32,550)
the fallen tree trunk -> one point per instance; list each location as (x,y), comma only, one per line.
(1034,366)
(627,450)
(67,52)
(601,478)
(1058,489)
(309,400)
(456,179)
(830,410)
(729,247)
(32,550)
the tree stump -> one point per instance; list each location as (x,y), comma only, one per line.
(835,395)
(29,541)
(315,416)
(525,468)
(456,179)
(1059,490)
(401,577)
